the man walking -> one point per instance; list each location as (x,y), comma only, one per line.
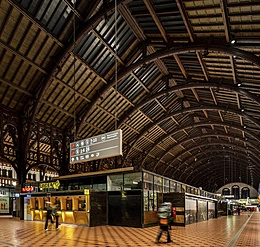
(55,214)
(164,218)
(48,217)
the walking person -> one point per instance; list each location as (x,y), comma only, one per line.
(55,214)
(164,218)
(48,217)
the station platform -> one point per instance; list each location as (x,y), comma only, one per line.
(227,231)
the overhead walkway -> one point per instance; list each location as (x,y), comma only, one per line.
(243,230)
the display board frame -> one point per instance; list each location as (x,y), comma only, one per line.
(97,147)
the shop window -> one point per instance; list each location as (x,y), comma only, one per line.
(133,181)
(150,201)
(99,187)
(158,184)
(166,187)
(179,189)
(173,186)
(115,182)
(147,181)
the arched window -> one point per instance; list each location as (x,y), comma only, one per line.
(235,191)
(226,191)
(245,192)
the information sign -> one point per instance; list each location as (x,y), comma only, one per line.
(97,147)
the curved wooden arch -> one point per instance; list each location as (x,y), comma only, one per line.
(195,147)
(242,157)
(176,169)
(226,49)
(87,27)
(29,167)
(187,110)
(191,85)
(212,144)
(191,138)
(203,176)
(218,175)
(199,124)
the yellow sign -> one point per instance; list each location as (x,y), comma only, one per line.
(50,185)
(86,192)
(123,194)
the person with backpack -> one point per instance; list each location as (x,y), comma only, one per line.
(164,221)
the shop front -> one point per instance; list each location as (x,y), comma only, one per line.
(8,197)
(124,197)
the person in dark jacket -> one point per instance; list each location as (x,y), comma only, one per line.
(55,214)
(48,217)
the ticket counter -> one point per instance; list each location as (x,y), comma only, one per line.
(73,209)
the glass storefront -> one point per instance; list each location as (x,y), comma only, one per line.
(7,200)
(120,187)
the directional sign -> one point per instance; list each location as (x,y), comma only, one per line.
(97,147)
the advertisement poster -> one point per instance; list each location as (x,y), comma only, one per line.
(4,204)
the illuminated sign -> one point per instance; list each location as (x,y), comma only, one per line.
(28,189)
(50,185)
(228,196)
(97,147)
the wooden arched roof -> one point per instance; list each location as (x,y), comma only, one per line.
(180,78)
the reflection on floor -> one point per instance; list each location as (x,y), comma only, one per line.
(243,230)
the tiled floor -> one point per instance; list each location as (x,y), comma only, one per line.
(243,230)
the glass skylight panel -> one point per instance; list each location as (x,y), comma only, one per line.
(109,63)
(31,6)
(84,44)
(133,91)
(51,13)
(101,56)
(106,58)
(152,109)
(90,53)
(151,74)
(46,11)
(102,26)
(123,84)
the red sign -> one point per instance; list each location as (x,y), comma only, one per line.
(28,189)
(174,213)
